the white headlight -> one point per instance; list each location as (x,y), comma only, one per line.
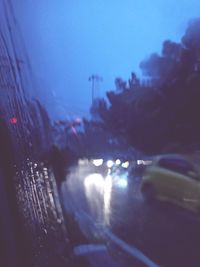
(118,162)
(110,163)
(125,164)
(97,162)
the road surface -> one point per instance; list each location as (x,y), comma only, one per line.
(113,217)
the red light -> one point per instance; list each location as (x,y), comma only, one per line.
(13,120)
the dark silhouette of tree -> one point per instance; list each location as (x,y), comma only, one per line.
(98,108)
(120,84)
(163,115)
(191,39)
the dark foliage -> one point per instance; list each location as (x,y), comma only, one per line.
(161,113)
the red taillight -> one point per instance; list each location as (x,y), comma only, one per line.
(13,120)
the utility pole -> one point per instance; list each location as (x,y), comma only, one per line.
(94,78)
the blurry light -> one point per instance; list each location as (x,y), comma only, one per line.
(74,131)
(121,180)
(94,179)
(97,162)
(82,161)
(147,162)
(123,183)
(107,198)
(110,163)
(125,164)
(78,120)
(108,182)
(144,162)
(118,162)
(13,120)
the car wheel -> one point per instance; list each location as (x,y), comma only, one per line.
(148,192)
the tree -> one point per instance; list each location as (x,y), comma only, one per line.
(98,108)
(164,114)
(120,84)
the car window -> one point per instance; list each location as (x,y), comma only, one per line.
(91,93)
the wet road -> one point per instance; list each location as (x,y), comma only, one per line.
(110,211)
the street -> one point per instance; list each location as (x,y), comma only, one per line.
(111,211)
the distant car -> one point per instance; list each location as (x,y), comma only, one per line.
(174,179)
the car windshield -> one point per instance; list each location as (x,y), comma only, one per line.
(92,94)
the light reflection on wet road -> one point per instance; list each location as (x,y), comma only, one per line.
(167,235)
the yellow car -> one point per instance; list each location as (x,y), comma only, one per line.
(174,179)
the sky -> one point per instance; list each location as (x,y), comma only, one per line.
(69,40)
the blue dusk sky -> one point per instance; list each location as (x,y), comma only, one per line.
(68,40)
